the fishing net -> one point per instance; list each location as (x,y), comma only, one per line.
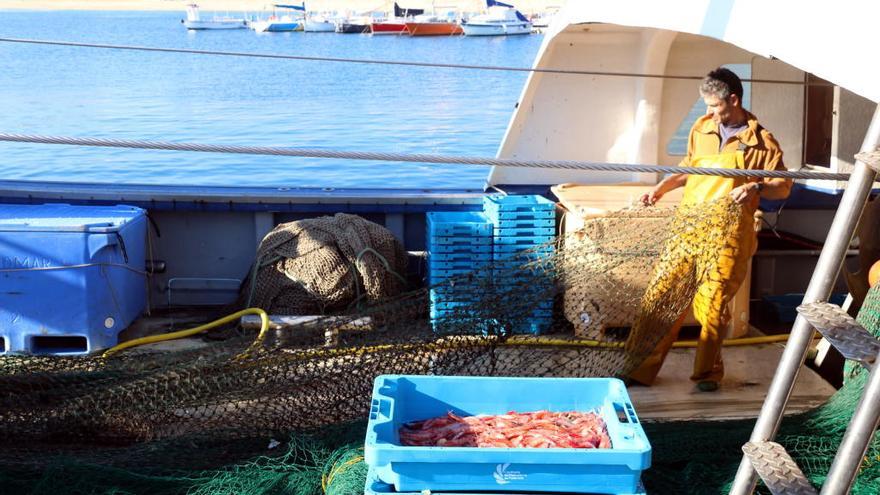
(284,413)
(324,265)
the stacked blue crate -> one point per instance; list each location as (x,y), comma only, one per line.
(459,246)
(523,236)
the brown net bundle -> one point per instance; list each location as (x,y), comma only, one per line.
(177,414)
(324,265)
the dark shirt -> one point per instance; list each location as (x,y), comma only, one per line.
(729,131)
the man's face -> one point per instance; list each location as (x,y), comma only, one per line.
(721,109)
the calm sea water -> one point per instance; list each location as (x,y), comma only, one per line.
(196,98)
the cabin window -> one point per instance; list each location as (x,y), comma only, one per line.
(677,146)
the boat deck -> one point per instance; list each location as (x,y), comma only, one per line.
(748,372)
(673,397)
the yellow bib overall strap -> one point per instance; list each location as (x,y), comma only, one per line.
(704,188)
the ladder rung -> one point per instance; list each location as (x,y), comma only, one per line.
(777,469)
(870,158)
(842,331)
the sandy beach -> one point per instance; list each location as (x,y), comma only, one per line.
(527,6)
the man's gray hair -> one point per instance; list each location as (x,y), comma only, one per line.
(714,87)
(721,83)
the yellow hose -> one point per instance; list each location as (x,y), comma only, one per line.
(264,327)
(530,340)
(768,339)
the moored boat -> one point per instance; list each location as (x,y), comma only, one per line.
(357,25)
(389,27)
(396,24)
(195,22)
(542,21)
(432,25)
(500,20)
(280,23)
(318,24)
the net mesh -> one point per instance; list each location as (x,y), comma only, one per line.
(285,414)
(324,265)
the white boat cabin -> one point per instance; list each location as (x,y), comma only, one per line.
(818,105)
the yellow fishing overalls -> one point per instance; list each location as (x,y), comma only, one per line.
(719,270)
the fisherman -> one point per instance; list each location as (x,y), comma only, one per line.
(727,136)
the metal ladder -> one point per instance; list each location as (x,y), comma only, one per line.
(768,459)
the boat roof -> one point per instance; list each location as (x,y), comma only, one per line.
(827,40)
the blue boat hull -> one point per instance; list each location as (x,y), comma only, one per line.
(283,27)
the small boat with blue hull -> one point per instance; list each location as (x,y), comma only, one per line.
(279,23)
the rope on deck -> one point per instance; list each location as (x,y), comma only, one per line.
(416,157)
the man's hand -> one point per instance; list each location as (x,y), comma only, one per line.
(651,197)
(744,193)
(674,181)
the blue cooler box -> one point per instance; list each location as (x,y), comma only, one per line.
(401,399)
(71,277)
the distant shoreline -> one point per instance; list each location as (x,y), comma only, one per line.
(527,6)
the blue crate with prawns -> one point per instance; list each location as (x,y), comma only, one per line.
(598,444)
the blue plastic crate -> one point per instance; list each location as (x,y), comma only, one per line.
(454,294)
(455,249)
(530,215)
(545,306)
(525,223)
(473,323)
(524,241)
(513,273)
(458,264)
(401,399)
(460,278)
(458,292)
(526,232)
(458,325)
(540,268)
(459,256)
(469,241)
(454,305)
(457,313)
(528,248)
(374,486)
(785,305)
(531,284)
(74,276)
(522,257)
(516,203)
(464,273)
(468,223)
(532,326)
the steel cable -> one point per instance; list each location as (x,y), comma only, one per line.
(416,157)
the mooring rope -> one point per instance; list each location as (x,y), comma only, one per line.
(416,157)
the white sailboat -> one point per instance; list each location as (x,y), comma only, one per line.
(195,22)
(319,23)
(501,20)
(277,23)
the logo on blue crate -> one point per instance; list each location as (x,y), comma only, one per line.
(503,476)
(19,262)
